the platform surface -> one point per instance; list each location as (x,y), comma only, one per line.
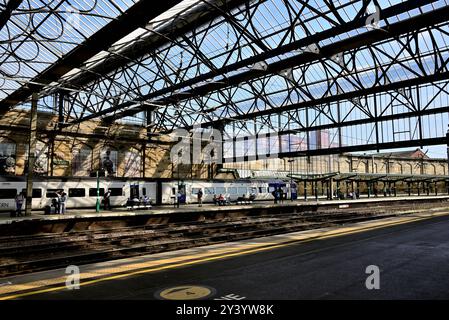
(412,254)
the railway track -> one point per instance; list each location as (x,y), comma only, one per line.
(23,254)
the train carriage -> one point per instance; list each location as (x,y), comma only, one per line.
(82,191)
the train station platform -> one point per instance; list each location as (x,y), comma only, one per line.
(411,252)
(87,219)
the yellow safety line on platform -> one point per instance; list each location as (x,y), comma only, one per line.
(213,255)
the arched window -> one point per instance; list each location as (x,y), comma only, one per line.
(132,164)
(82,161)
(41,161)
(398,168)
(367,166)
(108,161)
(7,156)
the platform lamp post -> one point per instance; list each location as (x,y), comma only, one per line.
(291,178)
(178,193)
(447,144)
(31,154)
(97,206)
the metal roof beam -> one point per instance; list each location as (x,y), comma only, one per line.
(5,15)
(366,38)
(344,149)
(136,16)
(179,27)
(399,28)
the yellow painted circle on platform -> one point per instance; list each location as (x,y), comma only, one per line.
(186,292)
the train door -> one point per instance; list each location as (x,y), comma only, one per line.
(134,191)
(159,192)
(182,191)
(293,191)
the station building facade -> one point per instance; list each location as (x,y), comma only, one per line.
(123,150)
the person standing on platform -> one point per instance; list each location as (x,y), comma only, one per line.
(58,202)
(19,203)
(275,195)
(200,197)
(146,201)
(107,200)
(178,198)
(62,200)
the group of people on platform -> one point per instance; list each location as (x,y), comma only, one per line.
(279,195)
(135,201)
(222,200)
(59,202)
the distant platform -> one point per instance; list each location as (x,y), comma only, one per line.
(297,205)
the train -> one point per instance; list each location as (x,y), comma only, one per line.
(82,191)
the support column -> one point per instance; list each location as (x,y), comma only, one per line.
(31,153)
(305,190)
(52,154)
(447,144)
(338,189)
(352,187)
(144,162)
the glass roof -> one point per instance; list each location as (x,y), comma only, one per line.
(174,63)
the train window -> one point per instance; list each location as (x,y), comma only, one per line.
(232,190)
(253,190)
(116,192)
(93,192)
(243,190)
(209,190)
(51,193)
(8,193)
(77,192)
(195,190)
(37,193)
(144,191)
(220,190)
(271,189)
(262,190)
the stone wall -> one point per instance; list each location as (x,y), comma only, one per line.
(130,142)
